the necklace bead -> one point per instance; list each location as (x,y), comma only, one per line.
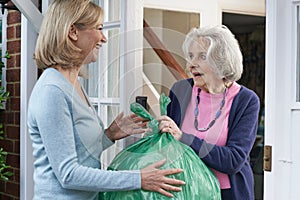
(218,113)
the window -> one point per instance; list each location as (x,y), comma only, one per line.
(103,82)
(298,55)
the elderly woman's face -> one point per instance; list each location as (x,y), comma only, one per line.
(202,73)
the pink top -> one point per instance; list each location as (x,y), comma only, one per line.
(208,107)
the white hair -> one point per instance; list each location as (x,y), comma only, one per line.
(223,55)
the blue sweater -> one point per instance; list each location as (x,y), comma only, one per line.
(232,159)
(68,139)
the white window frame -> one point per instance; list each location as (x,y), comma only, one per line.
(31,20)
(131,43)
(295,54)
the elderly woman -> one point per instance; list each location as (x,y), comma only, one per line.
(212,113)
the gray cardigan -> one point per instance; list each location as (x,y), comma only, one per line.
(68,139)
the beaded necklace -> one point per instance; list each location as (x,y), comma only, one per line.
(196,112)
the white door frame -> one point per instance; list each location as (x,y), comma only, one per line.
(31,20)
(28,79)
(281,113)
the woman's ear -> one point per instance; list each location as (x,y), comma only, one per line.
(73,32)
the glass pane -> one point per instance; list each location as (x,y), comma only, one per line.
(298,57)
(110,112)
(110,65)
(114,12)
(0,31)
(91,82)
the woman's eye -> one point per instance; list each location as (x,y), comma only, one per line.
(203,57)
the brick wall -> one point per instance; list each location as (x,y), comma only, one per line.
(10,190)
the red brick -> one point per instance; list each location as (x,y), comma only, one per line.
(11,89)
(13,75)
(13,160)
(17,147)
(11,63)
(18,31)
(11,32)
(13,188)
(16,175)
(18,60)
(6,197)
(14,46)
(9,117)
(17,90)
(7,145)
(13,132)
(13,17)
(17,118)
(14,103)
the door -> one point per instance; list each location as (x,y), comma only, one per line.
(250,32)
(282,99)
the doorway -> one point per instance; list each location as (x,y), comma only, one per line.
(250,32)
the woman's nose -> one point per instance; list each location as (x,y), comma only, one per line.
(192,64)
(103,38)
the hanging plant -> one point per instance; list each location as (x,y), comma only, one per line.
(4,173)
(7,56)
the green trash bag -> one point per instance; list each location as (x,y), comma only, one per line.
(200,182)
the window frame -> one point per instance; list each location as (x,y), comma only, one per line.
(296,56)
(101,101)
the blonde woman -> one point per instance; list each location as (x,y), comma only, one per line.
(67,135)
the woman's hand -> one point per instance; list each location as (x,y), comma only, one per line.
(166,124)
(154,179)
(124,126)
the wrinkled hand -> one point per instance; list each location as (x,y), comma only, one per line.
(154,179)
(166,124)
(124,126)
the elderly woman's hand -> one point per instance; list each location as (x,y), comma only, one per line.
(124,126)
(154,179)
(166,124)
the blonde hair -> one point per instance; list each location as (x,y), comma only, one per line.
(223,55)
(54,47)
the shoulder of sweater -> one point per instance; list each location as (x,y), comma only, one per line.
(51,77)
(184,83)
(245,95)
(246,92)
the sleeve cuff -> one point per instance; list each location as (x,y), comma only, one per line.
(106,142)
(187,139)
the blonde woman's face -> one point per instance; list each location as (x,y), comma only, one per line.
(90,41)
(203,75)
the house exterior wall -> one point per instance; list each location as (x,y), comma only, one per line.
(10,117)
